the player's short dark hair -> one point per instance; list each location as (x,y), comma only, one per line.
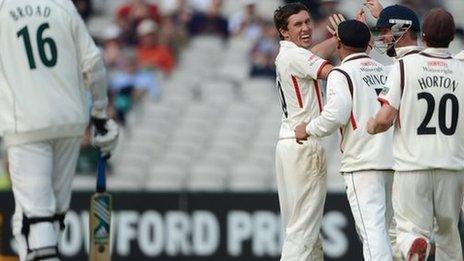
(438,28)
(282,14)
(354,34)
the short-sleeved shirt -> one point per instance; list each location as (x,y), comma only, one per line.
(297,71)
(429,129)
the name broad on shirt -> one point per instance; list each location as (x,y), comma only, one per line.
(29,11)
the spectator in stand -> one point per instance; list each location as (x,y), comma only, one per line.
(264,52)
(199,5)
(151,53)
(247,22)
(174,28)
(129,86)
(131,14)
(211,22)
(182,14)
(112,49)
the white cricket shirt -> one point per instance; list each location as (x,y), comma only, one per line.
(407,50)
(402,52)
(45,49)
(348,108)
(429,92)
(297,71)
(460,56)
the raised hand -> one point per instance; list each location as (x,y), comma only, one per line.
(374,7)
(361,16)
(334,21)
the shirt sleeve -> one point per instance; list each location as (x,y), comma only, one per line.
(91,61)
(337,111)
(391,92)
(306,64)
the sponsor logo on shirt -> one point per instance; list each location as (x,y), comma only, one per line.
(385,90)
(437,64)
(436,69)
(368,63)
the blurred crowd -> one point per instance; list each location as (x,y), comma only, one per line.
(142,46)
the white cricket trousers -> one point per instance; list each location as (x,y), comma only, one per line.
(421,196)
(301,183)
(369,195)
(41,175)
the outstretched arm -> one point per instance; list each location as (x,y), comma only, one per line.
(336,112)
(325,49)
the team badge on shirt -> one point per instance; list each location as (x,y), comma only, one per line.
(385,90)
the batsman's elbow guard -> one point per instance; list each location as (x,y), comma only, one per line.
(104,135)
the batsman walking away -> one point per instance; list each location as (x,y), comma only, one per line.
(50,66)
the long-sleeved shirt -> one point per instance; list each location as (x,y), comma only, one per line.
(352,90)
(297,72)
(48,63)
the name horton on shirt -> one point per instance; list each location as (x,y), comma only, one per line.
(194,226)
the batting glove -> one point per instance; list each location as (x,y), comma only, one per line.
(104,135)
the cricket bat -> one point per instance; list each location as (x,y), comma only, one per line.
(100,217)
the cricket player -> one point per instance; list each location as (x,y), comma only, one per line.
(48,63)
(367,160)
(422,94)
(301,169)
(398,28)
